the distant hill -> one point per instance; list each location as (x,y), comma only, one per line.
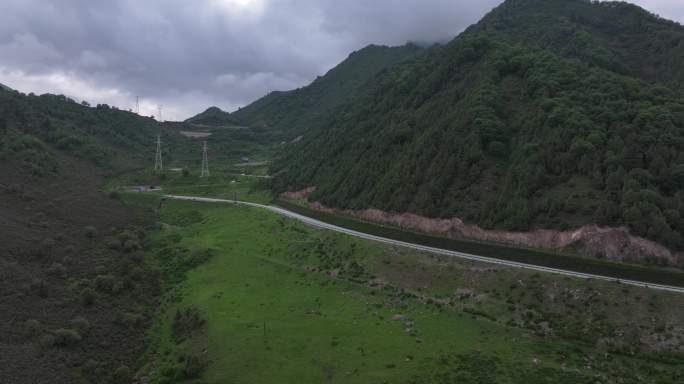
(546,114)
(213,116)
(36,126)
(295,112)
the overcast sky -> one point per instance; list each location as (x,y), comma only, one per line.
(191,54)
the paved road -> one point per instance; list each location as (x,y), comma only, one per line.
(253,176)
(461,255)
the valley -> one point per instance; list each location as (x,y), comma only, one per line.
(505,206)
(274,292)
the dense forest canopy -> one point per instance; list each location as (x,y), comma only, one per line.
(293,113)
(552,114)
(617,36)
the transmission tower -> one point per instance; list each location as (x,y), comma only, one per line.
(205,161)
(160,112)
(137,105)
(158,164)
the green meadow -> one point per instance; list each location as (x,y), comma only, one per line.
(256,298)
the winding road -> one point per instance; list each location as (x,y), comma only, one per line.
(439,251)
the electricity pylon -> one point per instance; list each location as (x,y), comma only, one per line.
(158,163)
(205,161)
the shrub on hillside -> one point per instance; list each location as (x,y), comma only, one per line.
(176,261)
(65,337)
(57,269)
(105,283)
(114,195)
(46,247)
(187,367)
(185,323)
(87,297)
(33,327)
(118,287)
(90,232)
(129,320)
(39,287)
(93,370)
(81,324)
(131,246)
(114,244)
(122,375)
(137,257)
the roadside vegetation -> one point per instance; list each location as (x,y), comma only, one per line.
(566,261)
(256,298)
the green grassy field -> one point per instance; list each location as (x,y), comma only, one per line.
(274,301)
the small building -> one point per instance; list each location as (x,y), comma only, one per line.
(244,159)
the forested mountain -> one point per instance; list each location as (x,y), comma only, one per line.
(34,126)
(296,112)
(546,114)
(214,117)
(616,36)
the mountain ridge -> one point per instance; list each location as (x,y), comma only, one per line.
(295,112)
(213,116)
(614,35)
(508,131)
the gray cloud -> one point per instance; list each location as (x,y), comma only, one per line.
(188,55)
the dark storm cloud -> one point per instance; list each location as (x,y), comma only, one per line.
(189,55)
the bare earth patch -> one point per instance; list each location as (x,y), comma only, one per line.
(616,244)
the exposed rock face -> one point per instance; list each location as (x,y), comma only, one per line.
(303,194)
(615,244)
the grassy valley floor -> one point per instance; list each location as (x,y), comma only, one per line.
(256,298)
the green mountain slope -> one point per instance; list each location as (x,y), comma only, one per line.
(110,138)
(296,112)
(213,116)
(62,236)
(510,130)
(616,36)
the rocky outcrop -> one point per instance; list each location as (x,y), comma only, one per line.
(303,194)
(615,244)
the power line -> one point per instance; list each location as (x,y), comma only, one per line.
(205,161)
(158,163)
